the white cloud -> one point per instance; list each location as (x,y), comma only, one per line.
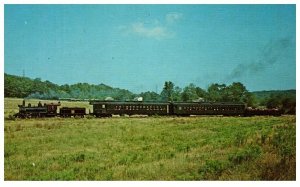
(157,32)
(154,29)
(173,17)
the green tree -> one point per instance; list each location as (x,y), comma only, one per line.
(150,96)
(189,93)
(274,101)
(287,103)
(215,92)
(201,93)
(177,94)
(237,92)
(167,92)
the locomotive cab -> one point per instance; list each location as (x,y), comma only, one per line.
(52,108)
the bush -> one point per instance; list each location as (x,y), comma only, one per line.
(212,168)
(11,117)
(247,154)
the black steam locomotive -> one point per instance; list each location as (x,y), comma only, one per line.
(48,110)
(109,108)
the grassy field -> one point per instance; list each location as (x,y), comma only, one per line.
(149,148)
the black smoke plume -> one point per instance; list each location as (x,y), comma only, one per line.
(270,55)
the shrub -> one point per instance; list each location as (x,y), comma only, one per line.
(212,169)
(247,154)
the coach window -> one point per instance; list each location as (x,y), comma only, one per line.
(103,106)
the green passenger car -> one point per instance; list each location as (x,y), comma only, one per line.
(109,108)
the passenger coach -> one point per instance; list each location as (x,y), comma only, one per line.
(207,108)
(109,108)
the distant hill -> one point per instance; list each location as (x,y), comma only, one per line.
(23,87)
(263,95)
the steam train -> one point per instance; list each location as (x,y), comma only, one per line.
(48,110)
(110,108)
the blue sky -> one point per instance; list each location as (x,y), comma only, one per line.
(139,47)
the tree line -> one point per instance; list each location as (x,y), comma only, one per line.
(22,87)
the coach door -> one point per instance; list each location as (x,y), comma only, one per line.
(103,108)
